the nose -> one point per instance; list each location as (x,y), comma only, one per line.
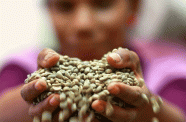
(83,21)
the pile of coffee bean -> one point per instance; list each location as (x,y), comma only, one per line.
(79,83)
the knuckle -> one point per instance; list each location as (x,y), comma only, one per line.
(33,110)
(137,96)
(135,56)
(41,54)
(23,95)
(46,50)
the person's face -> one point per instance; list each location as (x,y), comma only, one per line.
(87,29)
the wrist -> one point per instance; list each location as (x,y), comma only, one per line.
(165,111)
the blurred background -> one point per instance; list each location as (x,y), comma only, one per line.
(24,23)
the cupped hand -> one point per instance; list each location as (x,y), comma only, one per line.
(46,58)
(141,110)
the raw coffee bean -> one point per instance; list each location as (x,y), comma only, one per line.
(74,107)
(90,117)
(82,111)
(144,96)
(71,95)
(102,94)
(160,100)
(155,105)
(89,90)
(46,116)
(56,88)
(59,75)
(109,109)
(77,98)
(63,105)
(114,77)
(62,96)
(154,119)
(36,119)
(81,82)
(95,97)
(69,101)
(108,71)
(63,115)
(55,68)
(52,76)
(141,82)
(66,88)
(98,88)
(74,119)
(155,108)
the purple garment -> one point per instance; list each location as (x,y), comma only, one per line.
(17,67)
(164,69)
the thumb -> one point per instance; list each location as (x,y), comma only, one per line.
(47,58)
(124,58)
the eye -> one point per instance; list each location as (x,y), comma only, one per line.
(102,4)
(64,6)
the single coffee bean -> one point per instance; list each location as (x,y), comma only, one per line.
(46,116)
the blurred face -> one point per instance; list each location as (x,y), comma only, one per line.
(88,29)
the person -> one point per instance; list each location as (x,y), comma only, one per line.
(88,30)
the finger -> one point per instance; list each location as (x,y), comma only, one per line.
(118,114)
(49,104)
(33,89)
(131,95)
(47,58)
(124,58)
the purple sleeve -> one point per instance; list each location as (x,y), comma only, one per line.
(16,68)
(12,75)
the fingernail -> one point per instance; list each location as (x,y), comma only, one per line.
(113,89)
(99,108)
(49,55)
(116,57)
(40,85)
(54,101)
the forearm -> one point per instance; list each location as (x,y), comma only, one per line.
(13,108)
(170,113)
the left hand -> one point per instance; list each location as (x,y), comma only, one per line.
(141,110)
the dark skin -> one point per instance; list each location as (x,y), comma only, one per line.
(140,112)
(132,94)
(87,29)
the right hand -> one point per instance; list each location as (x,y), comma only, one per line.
(46,58)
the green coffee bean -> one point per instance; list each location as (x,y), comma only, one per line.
(63,105)
(73,119)
(155,105)
(144,96)
(36,119)
(74,107)
(63,115)
(77,98)
(81,82)
(154,119)
(160,100)
(46,116)
(62,96)
(90,117)
(109,109)
(69,101)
